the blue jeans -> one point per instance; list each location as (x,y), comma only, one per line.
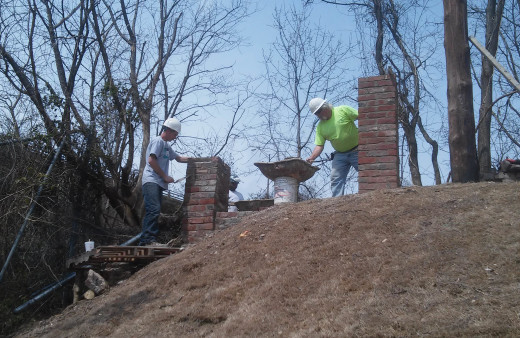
(340,168)
(152,194)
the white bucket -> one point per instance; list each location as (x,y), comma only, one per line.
(285,190)
(89,246)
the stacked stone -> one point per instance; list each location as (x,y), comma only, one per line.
(378,133)
(206,193)
(226,219)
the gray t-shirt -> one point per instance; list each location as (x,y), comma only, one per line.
(164,153)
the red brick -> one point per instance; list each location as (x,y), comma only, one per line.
(202,195)
(387,107)
(368,109)
(378,172)
(378,134)
(193,201)
(191,189)
(379,166)
(196,220)
(387,120)
(378,179)
(195,208)
(191,227)
(365,97)
(378,127)
(376,153)
(370,90)
(377,146)
(373,114)
(207,201)
(206,226)
(209,213)
(377,80)
(366,160)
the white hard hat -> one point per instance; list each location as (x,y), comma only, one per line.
(316,104)
(173,124)
(234,178)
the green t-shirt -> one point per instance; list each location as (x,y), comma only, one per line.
(340,129)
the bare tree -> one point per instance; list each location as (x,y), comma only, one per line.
(463,157)
(410,85)
(492,21)
(497,124)
(101,72)
(304,61)
(507,115)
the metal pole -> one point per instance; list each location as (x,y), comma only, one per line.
(31,209)
(53,287)
(132,240)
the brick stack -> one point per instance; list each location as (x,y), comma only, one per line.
(378,133)
(206,193)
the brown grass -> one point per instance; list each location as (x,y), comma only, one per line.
(419,261)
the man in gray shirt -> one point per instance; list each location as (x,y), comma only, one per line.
(155,178)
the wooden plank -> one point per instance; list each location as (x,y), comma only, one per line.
(495,63)
(105,254)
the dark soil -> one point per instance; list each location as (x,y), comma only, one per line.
(418,261)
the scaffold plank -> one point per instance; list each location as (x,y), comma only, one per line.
(104,254)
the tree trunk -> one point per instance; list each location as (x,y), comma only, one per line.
(463,152)
(378,13)
(413,159)
(493,18)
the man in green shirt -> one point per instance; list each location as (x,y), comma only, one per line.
(336,125)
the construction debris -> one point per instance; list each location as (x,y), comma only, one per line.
(96,283)
(89,295)
(509,170)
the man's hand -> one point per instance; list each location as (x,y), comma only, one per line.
(169,179)
(315,153)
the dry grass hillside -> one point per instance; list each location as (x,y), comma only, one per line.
(418,261)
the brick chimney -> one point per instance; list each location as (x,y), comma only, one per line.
(378,133)
(206,193)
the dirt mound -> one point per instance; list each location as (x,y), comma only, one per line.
(435,261)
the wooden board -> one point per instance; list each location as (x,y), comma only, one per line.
(108,254)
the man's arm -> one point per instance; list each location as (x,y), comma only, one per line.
(315,153)
(152,161)
(182,159)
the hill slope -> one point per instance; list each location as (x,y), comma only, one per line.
(436,261)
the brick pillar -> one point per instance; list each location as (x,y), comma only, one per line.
(206,193)
(378,133)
